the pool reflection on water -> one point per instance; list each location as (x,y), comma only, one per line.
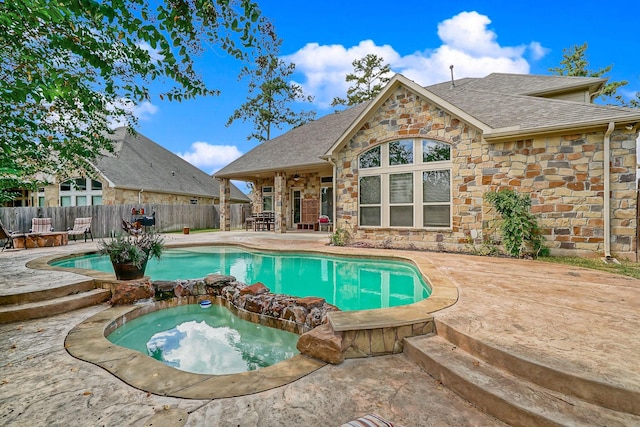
(205,340)
(348,283)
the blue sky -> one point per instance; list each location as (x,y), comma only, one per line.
(419,39)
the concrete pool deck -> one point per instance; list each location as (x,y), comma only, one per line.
(580,322)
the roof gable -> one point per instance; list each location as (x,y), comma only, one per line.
(397,81)
(139,163)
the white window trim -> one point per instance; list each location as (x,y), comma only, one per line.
(417,167)
(268,194)
(89,193)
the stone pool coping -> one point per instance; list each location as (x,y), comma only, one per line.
(367,330)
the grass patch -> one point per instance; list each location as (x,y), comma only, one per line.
(193,231)
(203,230)
(626,268)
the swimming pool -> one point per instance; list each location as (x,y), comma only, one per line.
(348,283)
(205,340)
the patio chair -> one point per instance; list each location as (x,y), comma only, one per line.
(133,229)
(370,420)
(41,225)
(8,237)
(250,223)
(81,226)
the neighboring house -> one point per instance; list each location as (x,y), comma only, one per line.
(410,168)
(138,171)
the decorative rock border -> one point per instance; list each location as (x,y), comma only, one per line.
(254,303)
(306,316)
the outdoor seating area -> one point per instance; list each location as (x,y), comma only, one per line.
(42,234)
(262,221)
(9,237)
(81,227)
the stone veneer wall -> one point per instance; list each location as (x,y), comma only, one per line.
(565,177)
(121,197)
(563,174)
(117,196)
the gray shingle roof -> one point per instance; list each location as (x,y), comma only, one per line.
(140,163)
(521,84)
(503,102)
(299,147)
(499,110)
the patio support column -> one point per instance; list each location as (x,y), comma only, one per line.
(225,208)
(280,188)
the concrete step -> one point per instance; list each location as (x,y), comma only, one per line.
(50,307)
(582,386)
(46,294)
(503,395)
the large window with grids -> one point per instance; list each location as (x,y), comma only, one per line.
(80,192)
(405,184)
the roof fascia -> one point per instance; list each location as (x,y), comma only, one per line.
(501,134)
(395,82)
(181,193)
(106,178)
(252,173)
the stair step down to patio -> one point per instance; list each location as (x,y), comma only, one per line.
(46,294)
(509,398)
(50,307)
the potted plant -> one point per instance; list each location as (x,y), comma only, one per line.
(129,253)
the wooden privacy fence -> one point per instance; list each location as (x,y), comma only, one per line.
(107,219)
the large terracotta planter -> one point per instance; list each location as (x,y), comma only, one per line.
(129,271)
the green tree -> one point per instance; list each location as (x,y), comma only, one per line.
(67,68)
(574,63)
(270,91)
(370,74)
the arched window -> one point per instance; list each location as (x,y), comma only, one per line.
(80,192)
(405,183)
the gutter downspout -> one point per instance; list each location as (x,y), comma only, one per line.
(335,192)
(140,196)
(607,192)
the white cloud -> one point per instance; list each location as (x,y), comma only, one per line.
(142,111)
(153,53)
(537,50)
(467,43)
(209,157)
(325,67)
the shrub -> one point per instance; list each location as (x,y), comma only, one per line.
(518,226)
(340,237)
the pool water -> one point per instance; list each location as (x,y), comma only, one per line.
(348,283)
(205,340)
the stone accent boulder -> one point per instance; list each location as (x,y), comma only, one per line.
(130,291)
(257,288)
(163,289)
(322,343)
(310,302)
(306,313)
(182,290)
(214,283)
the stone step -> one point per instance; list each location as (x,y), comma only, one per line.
(582,386)
(46,294)
(507,397)
(50,307)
